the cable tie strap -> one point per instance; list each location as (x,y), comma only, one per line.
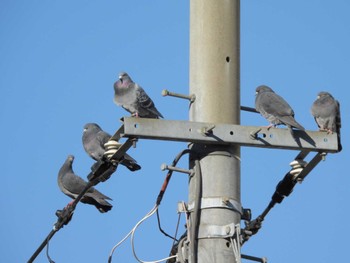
(218,202)
(215,231)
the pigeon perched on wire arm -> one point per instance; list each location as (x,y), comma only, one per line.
(326,111)
(133,98)
(275,109)
(72,185)
(94,139)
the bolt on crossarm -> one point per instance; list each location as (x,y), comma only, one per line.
(214,80)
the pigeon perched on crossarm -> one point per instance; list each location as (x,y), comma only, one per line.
(72,185)
(133,98)
(275,109)
(326,111)
(94,139)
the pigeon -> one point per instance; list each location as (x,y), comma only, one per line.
(275,109)
(94,139)
(72,185)
(326,111)
(134,99)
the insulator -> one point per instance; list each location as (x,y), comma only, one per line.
(297,167)
(111,148)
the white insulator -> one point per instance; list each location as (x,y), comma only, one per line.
(111,147)
(296,171)
(298,163)
(297,167)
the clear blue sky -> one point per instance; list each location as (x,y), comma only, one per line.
(59,60)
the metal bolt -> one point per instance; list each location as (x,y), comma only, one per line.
(164,167)
(191,97)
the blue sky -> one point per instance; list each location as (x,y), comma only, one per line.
(59,60)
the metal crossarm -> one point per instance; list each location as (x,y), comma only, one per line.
(226,134)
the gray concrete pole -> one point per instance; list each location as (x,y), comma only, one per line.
(214,79)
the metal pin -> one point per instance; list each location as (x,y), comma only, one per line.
(254,134)
(191,97)
(134,143)
(164,167)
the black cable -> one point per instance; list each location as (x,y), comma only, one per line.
(47,253)
(161,230)
(177,229)
(195,215)
(169,174)
(164,187)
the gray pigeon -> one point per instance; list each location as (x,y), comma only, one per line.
(133,98)
(72,185)
(326,111)
(94,139)
(275,109)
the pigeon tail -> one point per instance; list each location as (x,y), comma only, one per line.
(132,166)
(290,121)
(101,204)
(296,139)
(130,163)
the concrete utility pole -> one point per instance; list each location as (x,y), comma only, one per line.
(214,79)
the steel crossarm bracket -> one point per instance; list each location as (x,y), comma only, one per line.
(226,134)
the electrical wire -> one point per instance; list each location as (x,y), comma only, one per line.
(47,252)
(131,232)
(195,215)
(150,213)
(161,229)
(176,229)
(164,187)
(133,238)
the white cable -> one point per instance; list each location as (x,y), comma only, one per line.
(131,232)
(117,245)
(235,244)
(154,209)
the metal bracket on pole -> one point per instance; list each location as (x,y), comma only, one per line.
(218,202)
(214,231)
(228,134)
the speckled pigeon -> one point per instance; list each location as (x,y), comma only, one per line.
(326,111)
(94,139)
(133,98)
(275,109)
(72,185)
